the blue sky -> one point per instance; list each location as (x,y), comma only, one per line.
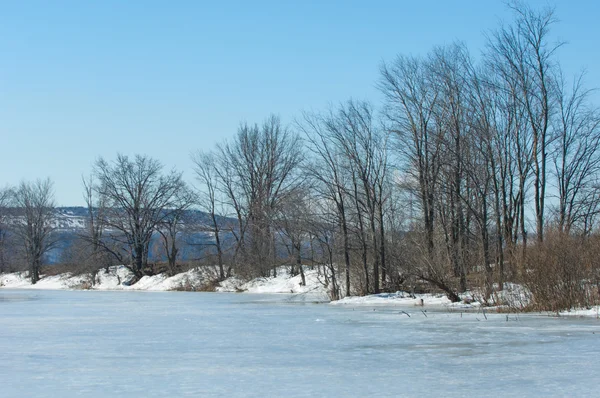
(83,79)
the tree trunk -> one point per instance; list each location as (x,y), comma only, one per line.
(299,265)
(35,271)
(375,257)
(346,249)
(382,244)
(138,266)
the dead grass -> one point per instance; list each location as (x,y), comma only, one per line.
(562,273)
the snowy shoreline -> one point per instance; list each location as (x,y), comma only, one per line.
(194,279)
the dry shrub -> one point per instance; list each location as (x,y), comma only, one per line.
(83,286)
(187,285)
(208,286)
(58,269)
(560,272)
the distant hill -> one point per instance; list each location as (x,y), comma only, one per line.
(76,218)
(72,221)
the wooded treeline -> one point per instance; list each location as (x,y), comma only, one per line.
(453,182)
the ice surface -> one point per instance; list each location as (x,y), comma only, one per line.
(150,344)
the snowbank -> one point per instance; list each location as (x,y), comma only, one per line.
(56,282)
(396,299)
(513,296)
(583,312)
(116,278)
(282,283)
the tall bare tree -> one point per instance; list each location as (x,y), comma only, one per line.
(526,54)
(91,251)
(331,183)
(410,104)
(323,226)
(35,222)
(576,156)
(5,199)
(449,67)
(207,174)
(362,142)
(293,223)
(173,225)
(262,168)
(139,198)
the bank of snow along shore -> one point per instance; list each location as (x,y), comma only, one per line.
(195,279)
(511,298)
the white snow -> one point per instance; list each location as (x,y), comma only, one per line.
(583,312)
(55,282)
(114,279)
(513,296)
(396,299)
(282,283)
(117,277)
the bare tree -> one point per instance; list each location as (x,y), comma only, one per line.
(208,198)
(262,166)
(331,182)
(90,252)
(410,106)
(355,130)
(449,67)
(512,145)
(139,198)
(96,207)
(415,113)
(5,199)
(527,56)
(171,226)
(322,225)
(228,186)
(35,222)
(292,222)
(576,156)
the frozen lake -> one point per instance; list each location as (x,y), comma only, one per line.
(142,344)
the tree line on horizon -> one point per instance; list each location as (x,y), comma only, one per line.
(469,175)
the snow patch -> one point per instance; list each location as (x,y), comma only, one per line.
(513,296)
(583,312)
(396,299)
(284,282)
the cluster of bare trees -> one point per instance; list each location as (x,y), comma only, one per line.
(255,176)
(302,195)
(447,184)
(129,202)
(464,165)
(479,143)
(349,174)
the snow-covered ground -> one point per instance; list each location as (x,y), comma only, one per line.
(587,312)
(282,283)
(513,296)
(117,279)
(396,299)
